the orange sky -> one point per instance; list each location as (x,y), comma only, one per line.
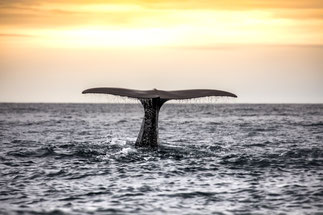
(161,23)
(70,44)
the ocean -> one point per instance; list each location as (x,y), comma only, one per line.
(212,159)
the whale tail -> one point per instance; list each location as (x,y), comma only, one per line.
(152,100)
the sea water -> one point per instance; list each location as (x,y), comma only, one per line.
(212,159)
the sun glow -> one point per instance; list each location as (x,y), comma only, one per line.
(86,8)
(96,37)
(128,24)
(112,38)
(255,48)
(189,28)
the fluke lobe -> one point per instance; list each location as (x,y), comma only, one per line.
(152,100)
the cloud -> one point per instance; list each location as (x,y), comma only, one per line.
(299,14)
(297,21)
(15,35)
(232,5)
(183,4)
(38,17)
(119,13)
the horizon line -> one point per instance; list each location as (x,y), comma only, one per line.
(173,102)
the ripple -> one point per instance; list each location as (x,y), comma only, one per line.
(212,159)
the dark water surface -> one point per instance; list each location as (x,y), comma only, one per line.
(212,159)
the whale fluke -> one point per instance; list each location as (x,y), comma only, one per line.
(168,95)
(152,100)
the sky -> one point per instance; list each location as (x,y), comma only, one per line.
(263,51)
